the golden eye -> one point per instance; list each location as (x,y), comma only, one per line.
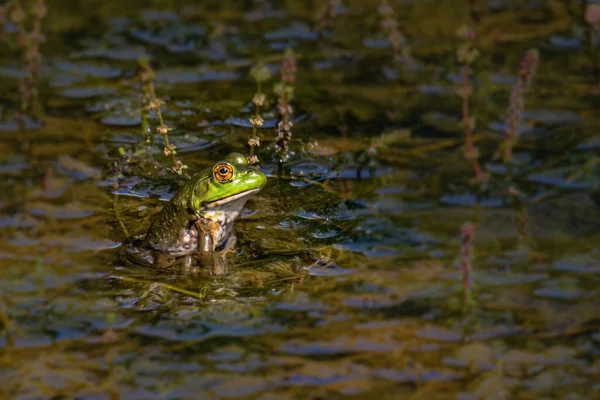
(223,172)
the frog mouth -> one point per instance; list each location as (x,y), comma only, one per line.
(231,198)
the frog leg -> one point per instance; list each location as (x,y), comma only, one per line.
(206,239)
(206,246)
(136,254)
(163,260)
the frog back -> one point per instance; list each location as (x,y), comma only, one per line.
(172,230)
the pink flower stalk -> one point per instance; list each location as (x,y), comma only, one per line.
(592,14)
(466,54)
(285,91)
(389,25)
(517,100)
(327,13)
(467,231)
(288,67)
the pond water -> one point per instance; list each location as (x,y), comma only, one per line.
(349,280)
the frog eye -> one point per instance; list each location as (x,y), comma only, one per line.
(223,172)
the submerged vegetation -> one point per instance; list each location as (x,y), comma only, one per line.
(29,38)
(151,102)
(429,227)
(284,91)
(260,73)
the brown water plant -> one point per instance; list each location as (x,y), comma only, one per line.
(285,92)
(389,25)
(326,14)
(151,102)
(260,72)
(517,101)
(592,18)
(467,231)
(467,55)
(29,44)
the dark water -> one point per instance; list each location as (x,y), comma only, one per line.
(348,280)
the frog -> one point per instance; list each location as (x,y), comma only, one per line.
(198,220)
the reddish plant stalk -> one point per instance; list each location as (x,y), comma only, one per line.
(146,75)
(30,45)
(517,101)
(260,72)
(471,152)
(33,55)
(285,91)
(467,231)
(327,13)
(389,25)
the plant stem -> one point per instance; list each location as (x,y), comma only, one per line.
(470,149)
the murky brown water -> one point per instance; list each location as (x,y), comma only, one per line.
(344,286)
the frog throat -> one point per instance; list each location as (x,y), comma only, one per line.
(229,199)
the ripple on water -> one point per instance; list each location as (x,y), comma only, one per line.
(470,199)
(340,345)
(523,129)
(13,72)
(88,69)
(329,269)
(579,265)
(121,120)
(13,125)
(433,90)
(308,215)
(502,79)
(64,79)
(16,221)
(590,144)
(559,42)
(260,15)
(87,92)
(326,234)
(377,43)
(566,288)
(132,53)
(551,117)
(390,206)
(498,279)
(180,75)
(13,164)
(295,30)
(566,178)
(421,375)
(69,211)
(328,375)
(560,294)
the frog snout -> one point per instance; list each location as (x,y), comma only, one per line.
(256,176)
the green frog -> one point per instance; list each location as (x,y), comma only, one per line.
(199,219)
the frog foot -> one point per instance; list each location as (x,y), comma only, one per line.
(136,255)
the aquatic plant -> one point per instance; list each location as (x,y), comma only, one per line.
(592,18)
(151,102)
(522,220)
(517,101)
(467,55)
(260,72)
(326,14)
(285,92)
(389,25)
(467,231)
(4,321)
(29,43)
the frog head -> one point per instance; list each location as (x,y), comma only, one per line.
(222,190)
